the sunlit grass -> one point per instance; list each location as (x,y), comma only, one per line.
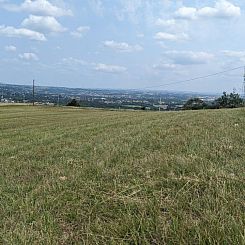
(74,176)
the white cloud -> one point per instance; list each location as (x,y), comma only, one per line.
(73,61)
(72,64)
(165,23)
(122,46)
(43,24)
(222,9)
(10,31)
(164,66)
(42,7)
(235,55)
(164,36)
(110,68)
(29,57)
(188,57)
(10,48)
(206,12)
(80,31)
(186,13)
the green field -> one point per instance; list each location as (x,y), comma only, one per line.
(76,176)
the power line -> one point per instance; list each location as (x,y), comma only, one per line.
(195,78)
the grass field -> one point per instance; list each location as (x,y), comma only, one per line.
(74,176)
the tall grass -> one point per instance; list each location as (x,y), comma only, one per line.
(74,176)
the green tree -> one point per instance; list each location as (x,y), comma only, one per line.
(73,102)
(231,100)
(194,104)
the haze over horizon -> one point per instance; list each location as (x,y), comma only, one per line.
(122,44)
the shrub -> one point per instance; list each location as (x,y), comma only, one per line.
(73,102)
(231,100)
(194,104)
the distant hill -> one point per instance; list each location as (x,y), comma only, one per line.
(100,98)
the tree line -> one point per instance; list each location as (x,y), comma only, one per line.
(232,100)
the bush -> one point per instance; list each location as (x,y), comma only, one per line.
(231,100)
(194,104)
(73,103)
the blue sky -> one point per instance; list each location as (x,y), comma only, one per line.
(122,43)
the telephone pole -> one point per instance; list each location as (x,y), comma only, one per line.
(33,92)
(243,89)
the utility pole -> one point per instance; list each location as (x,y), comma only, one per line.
(243,86)
(160,102)
(58,100)
(33,92)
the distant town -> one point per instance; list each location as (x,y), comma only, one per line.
(99,98)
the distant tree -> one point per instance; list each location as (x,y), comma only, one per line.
(212,105)
(143,108)
(194,104)
(73,102)
(231,100)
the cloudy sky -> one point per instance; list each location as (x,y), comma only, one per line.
(123,43)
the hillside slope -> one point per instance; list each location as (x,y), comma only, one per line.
(107,177)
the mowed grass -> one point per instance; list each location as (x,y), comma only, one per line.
(76,176)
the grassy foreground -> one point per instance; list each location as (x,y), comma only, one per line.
(73,176)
